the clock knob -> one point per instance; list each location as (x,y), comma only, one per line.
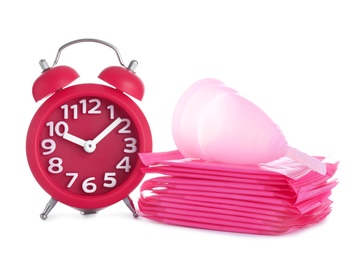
(52,79)
(124,79)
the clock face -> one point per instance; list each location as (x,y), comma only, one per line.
(86,141)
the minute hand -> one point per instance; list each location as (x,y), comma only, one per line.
(107,130)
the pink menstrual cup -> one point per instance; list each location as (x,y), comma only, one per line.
(215,123)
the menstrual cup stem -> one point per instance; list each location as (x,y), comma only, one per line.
(307,160)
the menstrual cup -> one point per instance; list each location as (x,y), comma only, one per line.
(215,123)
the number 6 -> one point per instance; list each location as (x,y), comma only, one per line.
(88,186)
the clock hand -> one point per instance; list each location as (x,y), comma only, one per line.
(74,139)
(106,131)
(89,146)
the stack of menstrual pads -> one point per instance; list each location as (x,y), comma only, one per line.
(267,199)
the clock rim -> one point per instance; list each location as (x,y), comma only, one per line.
(33,149)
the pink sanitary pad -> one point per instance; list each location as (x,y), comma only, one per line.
(271,198)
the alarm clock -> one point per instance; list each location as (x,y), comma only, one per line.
(83,141)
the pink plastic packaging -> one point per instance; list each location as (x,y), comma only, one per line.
(270,198)
(215,123)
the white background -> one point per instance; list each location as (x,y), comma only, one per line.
(300,61)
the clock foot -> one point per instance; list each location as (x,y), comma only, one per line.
(129,203)
(50,205)
(88,212)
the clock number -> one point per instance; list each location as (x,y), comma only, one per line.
(125,129)
(92,110)
(55,165)
(57,128)
(88,186)
(74,176)
(131,147)
(49,145)
(109,179)
(65,111)
(124,164)
(112,111)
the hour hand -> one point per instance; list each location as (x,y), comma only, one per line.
(74,139)
(89,146)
